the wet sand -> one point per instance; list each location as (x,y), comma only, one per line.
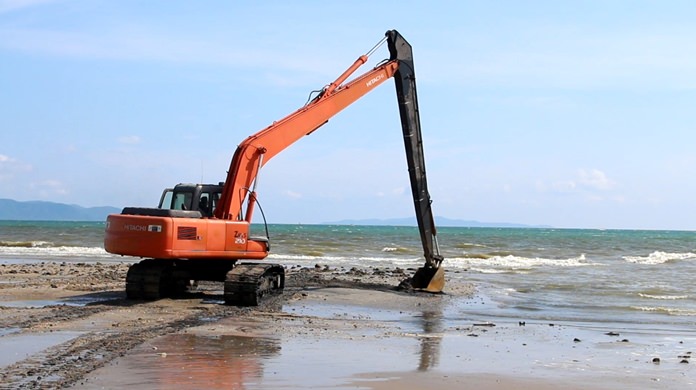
(68,325)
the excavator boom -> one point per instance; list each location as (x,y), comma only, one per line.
(259,148)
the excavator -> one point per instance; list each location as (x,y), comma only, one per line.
(201,232)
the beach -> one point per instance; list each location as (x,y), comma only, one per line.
(68,325)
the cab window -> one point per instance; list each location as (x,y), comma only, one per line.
(182,201)
(166,202)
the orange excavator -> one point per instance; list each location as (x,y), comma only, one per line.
(202,231)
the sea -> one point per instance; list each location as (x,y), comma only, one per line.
(645,277)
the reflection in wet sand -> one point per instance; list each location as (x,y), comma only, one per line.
(195,361)
(215,362)
(17,346)
(219,362)
(392,341)
(430,339)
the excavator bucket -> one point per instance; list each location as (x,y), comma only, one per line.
(429,279)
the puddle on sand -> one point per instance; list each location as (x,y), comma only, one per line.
(19,346)
(7,331)
(35,303)
(78,300)
(239,362)
(201,362)
(285,359)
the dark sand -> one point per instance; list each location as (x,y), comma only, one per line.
(69,325)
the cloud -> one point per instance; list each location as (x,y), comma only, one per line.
(87,34)
(595,179)
(130,140)
(292,194)
(143,43)
(49,188)
(576,57)
(564,186)
(7,6)
(398,191)
(9,167)
(592,180)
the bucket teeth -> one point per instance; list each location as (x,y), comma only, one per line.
(429,279)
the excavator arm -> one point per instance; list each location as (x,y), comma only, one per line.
(259,148)
(431,276)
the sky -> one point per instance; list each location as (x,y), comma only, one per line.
(576,114)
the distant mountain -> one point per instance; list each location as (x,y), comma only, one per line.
(439,221)
(49,211)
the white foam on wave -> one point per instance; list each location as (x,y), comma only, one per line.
(396,250)
(673,311)
(495,271)
(663,297)
(491,265)
(56,251)
(25,244)
(467,245)
(301,258)
(363,261)
(500,264)
(659,257)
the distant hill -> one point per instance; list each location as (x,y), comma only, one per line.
(49,211)
(439,221)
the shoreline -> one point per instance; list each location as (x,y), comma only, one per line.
(351,326)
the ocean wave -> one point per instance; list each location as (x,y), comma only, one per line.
(673,311)
(467,245)
(476,256)
(663,297)
(306,257)
(499,253)
(25,244)
(496,271)
(659,257)
(313,253)
(396,250)
(53,251)
(517,263)
(360,261)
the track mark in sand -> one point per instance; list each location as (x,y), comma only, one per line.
(109,329)
(66,363)
(29,317)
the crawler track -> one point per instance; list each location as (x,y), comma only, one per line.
(155,279)
(247,284)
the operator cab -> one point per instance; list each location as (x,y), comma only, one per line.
(183,201)
(194,197)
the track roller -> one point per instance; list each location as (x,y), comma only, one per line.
(246,284)
(155,279)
